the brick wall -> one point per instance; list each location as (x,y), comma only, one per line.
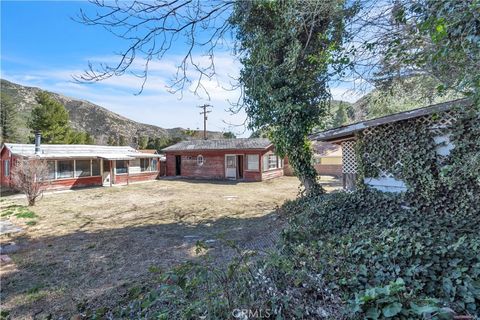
(75,183)
(272,174)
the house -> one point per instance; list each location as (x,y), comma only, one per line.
(436,119)
(72,166)
(328,158)
(251,159)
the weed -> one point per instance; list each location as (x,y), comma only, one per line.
(26,214)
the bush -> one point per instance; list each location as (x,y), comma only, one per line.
(343,256)
(362,241)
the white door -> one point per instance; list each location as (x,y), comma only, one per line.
(231,166)
(106,173)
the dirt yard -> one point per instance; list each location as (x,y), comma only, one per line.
(94,246)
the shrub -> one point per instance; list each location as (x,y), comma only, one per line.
(368,240)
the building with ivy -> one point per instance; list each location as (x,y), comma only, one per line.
(404,151)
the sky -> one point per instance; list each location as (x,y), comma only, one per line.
(43,46)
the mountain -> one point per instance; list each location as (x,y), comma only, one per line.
(97,121)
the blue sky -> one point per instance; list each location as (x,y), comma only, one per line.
(42,46)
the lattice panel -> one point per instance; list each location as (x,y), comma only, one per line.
(439,124)
(348,157)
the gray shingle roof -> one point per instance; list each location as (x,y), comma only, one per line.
(221,144)
(349,130)
(57,151)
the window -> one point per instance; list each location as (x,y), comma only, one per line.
(272,162)
(64,169)
(153,165)
(200,160)
(144,165)
(252,162)
(6,168)
(95,167)
(51,170)
(82,168)
(121,166)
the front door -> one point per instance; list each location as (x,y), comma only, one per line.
(240,166)
(231,166)
(178,165)
(106,173)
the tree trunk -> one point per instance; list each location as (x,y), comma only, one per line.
(301,159)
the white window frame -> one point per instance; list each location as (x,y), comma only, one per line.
(200,160)
(6,168)
(256,161)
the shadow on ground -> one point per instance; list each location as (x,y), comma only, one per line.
(57,276)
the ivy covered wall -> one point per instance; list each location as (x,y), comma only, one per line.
(436,156)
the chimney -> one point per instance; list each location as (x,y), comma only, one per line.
(38,138)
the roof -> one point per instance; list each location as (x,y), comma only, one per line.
(70,151)
(349,130)
(221,144)
(151,151)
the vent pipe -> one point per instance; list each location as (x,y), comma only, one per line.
(38,139)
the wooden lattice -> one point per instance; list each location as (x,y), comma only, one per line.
(438,123)
(349,158)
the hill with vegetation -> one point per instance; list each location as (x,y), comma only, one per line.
(105,126)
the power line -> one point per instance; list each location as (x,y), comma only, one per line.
(205,112)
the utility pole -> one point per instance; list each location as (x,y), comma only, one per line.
(205,112)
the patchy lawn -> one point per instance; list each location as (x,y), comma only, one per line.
(95,246)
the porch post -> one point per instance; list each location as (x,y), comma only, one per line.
(111,172)
(128,172)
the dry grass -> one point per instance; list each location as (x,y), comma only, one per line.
(96,245)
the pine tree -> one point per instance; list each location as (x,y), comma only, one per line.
(142,142)
(50,118)
(111,141)
(341,117)
(122,141)
(8,119)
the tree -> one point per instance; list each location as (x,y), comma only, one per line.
(8,119)
(142,142)
(122,141)
(398,39)
(152,28)
(50,118)
(341,117)
(29,176)
(111,141)
(229,135)
(287,48)
(89,139)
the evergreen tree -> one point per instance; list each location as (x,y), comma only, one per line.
(122,141)
(142,142)
(8,119)
(341,117)
(50,118)
(111,141)
(89,139)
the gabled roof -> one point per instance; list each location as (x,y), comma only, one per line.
(221,144)
(349,130)
(70,151)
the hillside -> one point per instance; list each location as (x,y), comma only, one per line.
(99,122)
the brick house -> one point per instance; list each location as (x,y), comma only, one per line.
(247,159)
(72,166)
